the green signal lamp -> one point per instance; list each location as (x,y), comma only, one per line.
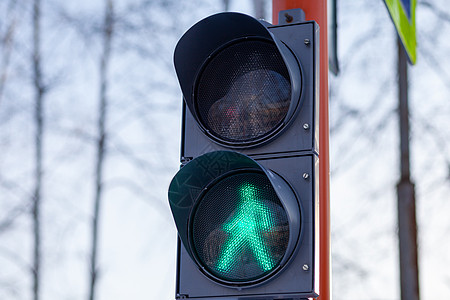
(246,229)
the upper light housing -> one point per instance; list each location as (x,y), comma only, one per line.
(242,86)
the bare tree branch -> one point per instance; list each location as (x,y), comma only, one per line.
(132,186)
(435,64)
(12,216)
(444,16)
(7,42)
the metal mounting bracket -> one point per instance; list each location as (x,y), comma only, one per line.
(290,16)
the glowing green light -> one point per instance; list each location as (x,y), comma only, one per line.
(245,231)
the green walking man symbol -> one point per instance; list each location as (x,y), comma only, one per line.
(245,231)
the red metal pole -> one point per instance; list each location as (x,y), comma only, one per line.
(317,10)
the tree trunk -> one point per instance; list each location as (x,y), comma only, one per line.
(259,8)
(226,5)
(39,134)
(103,105)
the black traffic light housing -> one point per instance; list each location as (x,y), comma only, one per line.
(250,112)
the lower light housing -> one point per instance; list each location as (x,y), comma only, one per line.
(238,221)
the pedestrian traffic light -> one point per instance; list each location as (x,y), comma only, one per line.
(245,200)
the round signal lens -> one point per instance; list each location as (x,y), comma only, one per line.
(244,92)
(240,230)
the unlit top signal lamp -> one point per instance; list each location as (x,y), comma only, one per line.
(242,85)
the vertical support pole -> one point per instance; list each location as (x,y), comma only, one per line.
(317,10)
(407,226)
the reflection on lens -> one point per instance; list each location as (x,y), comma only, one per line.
(244,92)
(255,103)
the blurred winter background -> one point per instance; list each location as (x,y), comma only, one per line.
(89,141)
